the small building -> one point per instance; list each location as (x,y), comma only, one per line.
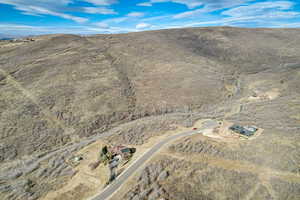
(124,151)
(247,131)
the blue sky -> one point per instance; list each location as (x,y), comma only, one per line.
(27,17)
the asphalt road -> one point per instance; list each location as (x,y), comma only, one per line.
(114,186)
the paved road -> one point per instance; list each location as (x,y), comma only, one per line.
(109,190)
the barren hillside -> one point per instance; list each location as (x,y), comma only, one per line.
(62,90)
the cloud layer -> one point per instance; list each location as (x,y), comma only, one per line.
(59,7)
(117,16)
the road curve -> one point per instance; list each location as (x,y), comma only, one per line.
(114,186)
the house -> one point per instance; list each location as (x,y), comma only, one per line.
(247,131)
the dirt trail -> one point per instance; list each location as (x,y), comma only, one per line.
(234,110)
(88,180)
(48,114)
(252,191)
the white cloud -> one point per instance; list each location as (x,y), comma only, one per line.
(37,2)
(210,6)
(24,30)
(262,13)
(14,27)
(115,20)
(189,3)
(111,29)
(131,17)
(213,5)
(142,26)
(286,25)
(135,14)
(188,14)
(279,15)
(207,5)
(44,7)
(144,4)
(101,25)
(102,2)
(34,10)
(258,8)
(71,17)
(157,18)
(98,10)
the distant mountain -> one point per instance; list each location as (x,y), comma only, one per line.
(6,38)
(10,36)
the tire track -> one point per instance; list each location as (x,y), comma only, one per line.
(126,84)
(47,113)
